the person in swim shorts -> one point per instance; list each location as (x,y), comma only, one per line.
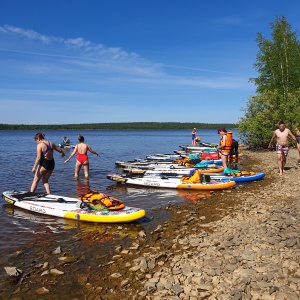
(234,151)
(82,158)
(282,145)
(44,163)
(298,142)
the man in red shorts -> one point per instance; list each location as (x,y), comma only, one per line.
(282,145)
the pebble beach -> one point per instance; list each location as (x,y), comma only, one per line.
(246,247)
(241,243)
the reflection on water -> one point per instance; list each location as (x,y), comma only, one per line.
(24,221)
(20,218)
(21,230)
(82,186)
(193,195)
(172,196)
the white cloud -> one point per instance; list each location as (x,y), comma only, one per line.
(87,50)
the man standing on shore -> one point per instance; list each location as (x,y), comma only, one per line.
(282,145)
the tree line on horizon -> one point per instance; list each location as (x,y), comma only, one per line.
(119,126)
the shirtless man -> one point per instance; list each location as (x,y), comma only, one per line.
(282,145)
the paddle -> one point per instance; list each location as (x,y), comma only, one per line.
(23,195)
(31,196)
(54,200)
(38,199)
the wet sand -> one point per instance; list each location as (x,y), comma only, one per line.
(241,243)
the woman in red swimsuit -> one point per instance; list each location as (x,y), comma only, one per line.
(44,162)
(82,158)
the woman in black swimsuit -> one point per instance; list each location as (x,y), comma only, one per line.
(44,163)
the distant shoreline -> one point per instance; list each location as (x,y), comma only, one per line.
(119,126)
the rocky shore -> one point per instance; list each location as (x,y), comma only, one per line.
(241,243)
(248,249)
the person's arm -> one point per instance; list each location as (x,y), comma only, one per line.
(271,141)
(58,150)
(292,136)
(92,151)
(38,158)
(223,143)
(72,154)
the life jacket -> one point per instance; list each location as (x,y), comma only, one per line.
(240,173)
(228,143)
(187,162)
(194,156)
(196,177)
(100,200)
(210,156)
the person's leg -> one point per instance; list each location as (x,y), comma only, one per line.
(224,159)
(86,170)
(285,152)
(46,177)
(298,147)
(36,179)
(283,162)
(280,163)
(77,168)
(231,159)
(237,153)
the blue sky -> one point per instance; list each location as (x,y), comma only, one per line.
(97,61)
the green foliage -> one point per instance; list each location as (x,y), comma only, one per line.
(257,125)
(277,86)
(278,60)
(118,126)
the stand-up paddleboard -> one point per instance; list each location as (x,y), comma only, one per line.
(175,169)
(171,182)
(66,146)
(213,176)
(242,177)
(163,157)
(70,208)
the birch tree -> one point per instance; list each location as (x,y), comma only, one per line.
(277,85)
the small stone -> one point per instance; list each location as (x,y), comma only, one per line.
(115,275)
(45,265)
(42,291)
(56,272)
(12,271)
(57,250)
(125,282)
(273,289)
(45,273)
(142,234)
(68,259)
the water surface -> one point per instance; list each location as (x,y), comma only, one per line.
(20,228)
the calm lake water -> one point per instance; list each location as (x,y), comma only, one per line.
(18,228)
